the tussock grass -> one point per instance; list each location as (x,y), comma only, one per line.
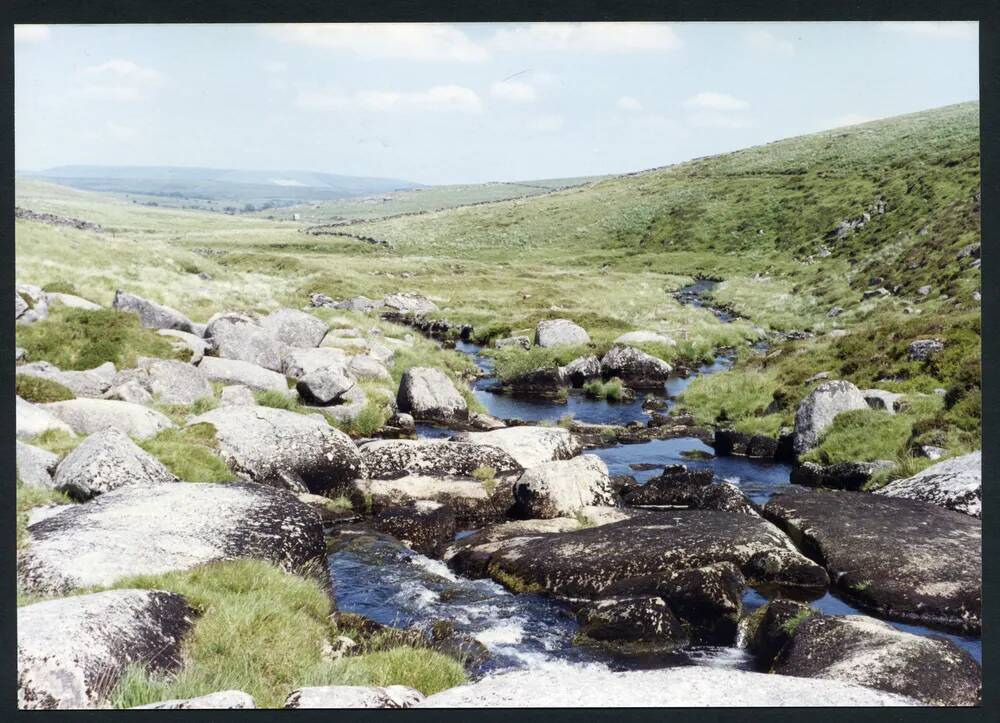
(728,397)
(416,667)
(78,339)
(39,390)
(189,453)
(862,435)
(512,362)
(613,390)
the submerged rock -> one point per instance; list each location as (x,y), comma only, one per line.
(956,484)
(72,652)
(396,457)
(689,686)
(934,577)
(528,445)
(151,314)
(560,332)
(429,395)
(128,532)
(547,380)
(283,449)
(586,562)
(869,652)
(818,410)
(105,461)
(562,488)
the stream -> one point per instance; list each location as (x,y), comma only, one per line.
(393,585)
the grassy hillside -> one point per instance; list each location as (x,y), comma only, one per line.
(421,200)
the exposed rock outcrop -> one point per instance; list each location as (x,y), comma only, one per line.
(105,461)
(151,314)
(956,484)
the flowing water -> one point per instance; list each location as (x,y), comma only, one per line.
(391,584)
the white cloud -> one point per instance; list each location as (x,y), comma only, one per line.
(628,103)
(951,30)
(125,70)
(766,42)
(851,119)
(412,41)
(273,66)
(122,134)
(587,37)
(31,33)
(107,92)
(440,97)
(548,123)
(514,91)
(715,101)
(716,119)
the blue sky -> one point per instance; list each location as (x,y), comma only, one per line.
(465,103)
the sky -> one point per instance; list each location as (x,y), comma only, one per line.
(465,103)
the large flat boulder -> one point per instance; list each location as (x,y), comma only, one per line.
(388,458)
(72,652)
(818,410)
(563,487)
(903,559)
(32,420)
(105,461)
(869,652)
(693,686)
(224,699)
(585,563)
(88,383)
(409,303)
(149,529)
(295,328)
(300,362)
(240,337)
(473,502)
(283,449)
(528,445)
(560,332)
(35,466)
(173,382)
(429,395)
(956,484)
(86,416)
(233,371)
(151,314)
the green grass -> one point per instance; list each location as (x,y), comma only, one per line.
(39,390)
(77,339)
(280,400)
(728,397)
(613,390)
(189,453)
(512,362)
(57,441)
(488,476)
(792,624)
(262,631)
(864,435)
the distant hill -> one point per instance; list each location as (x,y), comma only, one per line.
(217,188)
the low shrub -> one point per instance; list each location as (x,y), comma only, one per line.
(40,391)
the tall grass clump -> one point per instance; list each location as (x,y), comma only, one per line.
(39,390)
(863,435)
(78,339)
(613,390)
(728,397)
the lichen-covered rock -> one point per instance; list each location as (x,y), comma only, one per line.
(429,395)
(359,303)
(818,410)
(678,486)
(409,303)
(424,526)
(92,383)
(519,341)
(192,342)
(645,337)
(547,380)
(840,476)
(35,466)
(223,700)
(174,382)
(233,371)
(581,370)
(870,652)
(349,406)
(474,503)
(236,395)
(903,559)
(32,420)
(956,484)
(923,349)
(388,458)
(150,529)
(562,488)
(239,337)
(687,686)
(528,445)
(633,624)
(325,386)
(769,628)
(279,448)
(72,652)
(584,563)
(362,366)
(151,314)
(354,696)
(634,367)
(131,391)
(30,304)
(105,461)
(300,362)
(560,332)
(87,416)
(295,328)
